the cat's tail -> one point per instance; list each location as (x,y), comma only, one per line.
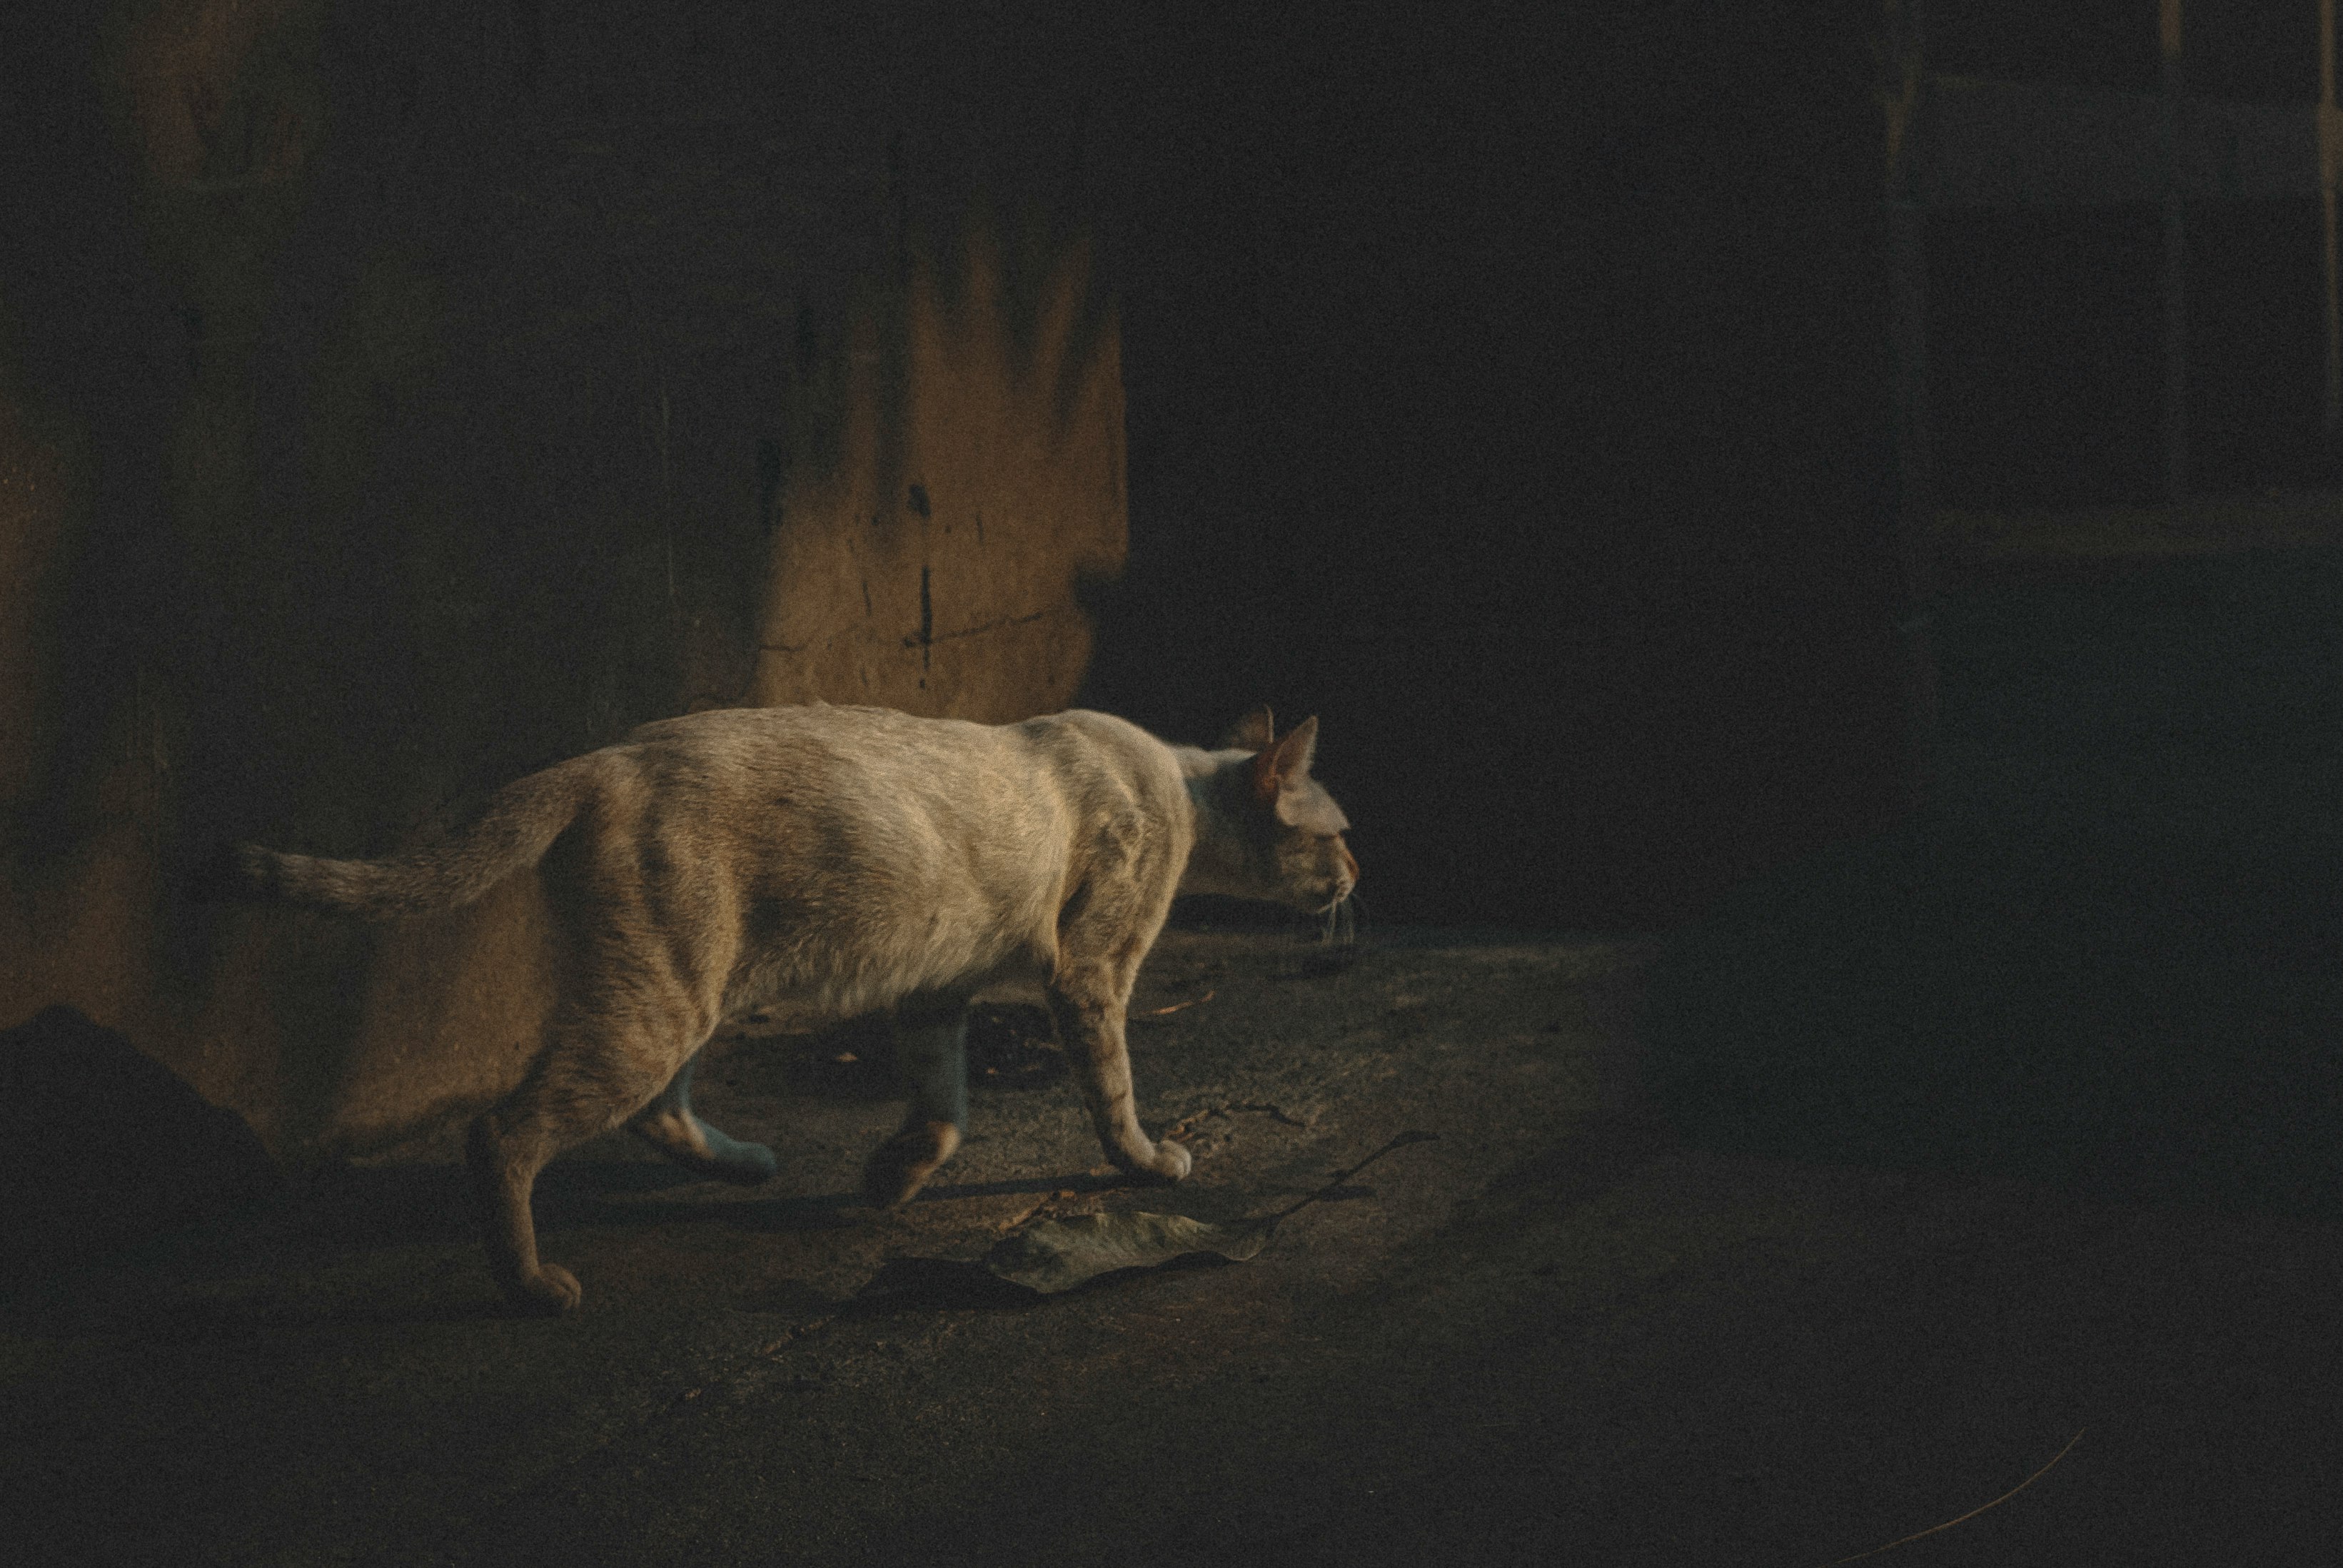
(519,823)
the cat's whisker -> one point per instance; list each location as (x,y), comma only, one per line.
(1338,923)
(1351,919)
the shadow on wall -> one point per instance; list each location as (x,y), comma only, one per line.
(967,482)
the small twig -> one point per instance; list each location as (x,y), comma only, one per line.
(1398,1141)
(1973,1512)
(1175,1006)
(1227,1111)
(1007,1226)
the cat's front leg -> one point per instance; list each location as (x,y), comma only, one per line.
(1090,1012)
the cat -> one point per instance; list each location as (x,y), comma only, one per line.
(820,863)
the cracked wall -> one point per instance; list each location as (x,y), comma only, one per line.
(936,567)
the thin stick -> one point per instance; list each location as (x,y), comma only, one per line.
(1342,1179)
(1973,1512)
(1175,1006)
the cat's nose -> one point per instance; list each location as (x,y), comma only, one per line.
(1350,866)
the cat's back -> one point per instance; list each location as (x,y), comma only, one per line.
(870,785)
(1014,809)
(881,852)
(762,746)
(1105,759)
(901,754)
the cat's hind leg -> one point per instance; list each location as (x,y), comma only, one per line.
(668,1125)
(589,1080)
(932,1060)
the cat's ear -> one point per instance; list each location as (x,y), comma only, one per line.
(1286,764)
(1250,733)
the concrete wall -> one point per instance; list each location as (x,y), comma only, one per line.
(395,398)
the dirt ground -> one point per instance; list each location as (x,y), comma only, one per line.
(1559,1331)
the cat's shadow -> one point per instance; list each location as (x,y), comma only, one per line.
(364,1209)
(347,1216)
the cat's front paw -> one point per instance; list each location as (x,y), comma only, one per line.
(550,1292)
(1169,1162)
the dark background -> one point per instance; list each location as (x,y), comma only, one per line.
(1510,391)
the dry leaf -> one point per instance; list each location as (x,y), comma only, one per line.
(1059,1254)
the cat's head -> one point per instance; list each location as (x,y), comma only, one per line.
(1288,832)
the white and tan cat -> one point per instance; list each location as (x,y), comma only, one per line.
(821,863)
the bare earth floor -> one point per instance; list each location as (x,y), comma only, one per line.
(1557,1334)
